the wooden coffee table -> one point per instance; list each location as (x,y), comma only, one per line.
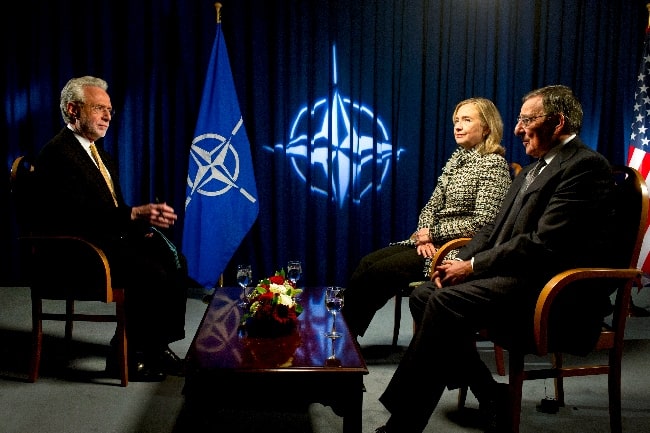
(225,367)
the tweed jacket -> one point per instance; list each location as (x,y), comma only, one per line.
(468,195)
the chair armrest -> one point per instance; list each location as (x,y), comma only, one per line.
(64,265)
(628,277)
(442,252)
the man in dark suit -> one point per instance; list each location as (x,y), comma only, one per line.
(80,194)
(554,217)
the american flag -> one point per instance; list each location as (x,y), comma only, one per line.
(639,150)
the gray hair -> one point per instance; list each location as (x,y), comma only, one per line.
(73,92)
(559,99)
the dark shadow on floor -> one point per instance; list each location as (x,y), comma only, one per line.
(199,415)
(74,361)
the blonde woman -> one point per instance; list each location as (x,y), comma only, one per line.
(468,195)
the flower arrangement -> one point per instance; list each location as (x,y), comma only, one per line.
(273,309)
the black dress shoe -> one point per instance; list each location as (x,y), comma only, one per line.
(142,372)
(139,371)
(468,417)
(171,363)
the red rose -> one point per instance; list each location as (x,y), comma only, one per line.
(266,297)
(277,279)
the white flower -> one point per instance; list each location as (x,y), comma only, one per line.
(285,299)
(280,289)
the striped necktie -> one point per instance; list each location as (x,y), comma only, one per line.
(103,171)
(531,175)
(506,228)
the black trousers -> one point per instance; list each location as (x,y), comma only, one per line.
(442,352)
(155,292)
(376,280)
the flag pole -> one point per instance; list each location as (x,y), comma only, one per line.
(218,5)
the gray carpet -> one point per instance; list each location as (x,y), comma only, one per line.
(74,396)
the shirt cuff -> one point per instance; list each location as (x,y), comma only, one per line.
(471,261)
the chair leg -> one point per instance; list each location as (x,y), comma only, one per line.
(398,317)
(498,359)
(37,337)
(559,380)
(122,351)
(515,385)
(462,396)
(614,386)
(69,312)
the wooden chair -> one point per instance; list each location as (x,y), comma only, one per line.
(65,268)
(631,216)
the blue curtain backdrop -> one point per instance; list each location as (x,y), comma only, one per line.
(347,103)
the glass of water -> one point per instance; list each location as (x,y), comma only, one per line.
(294,271)
(334,297)
(244,278)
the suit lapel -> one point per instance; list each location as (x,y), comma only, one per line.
(509,199)
(566,152)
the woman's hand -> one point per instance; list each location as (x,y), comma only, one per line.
(423,243)
(426,250)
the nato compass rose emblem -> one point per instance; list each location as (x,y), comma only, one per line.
(349,144)
(217,169)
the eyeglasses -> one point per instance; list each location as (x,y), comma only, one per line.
(100,109)
(526,121)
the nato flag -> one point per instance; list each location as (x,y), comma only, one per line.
(221,201)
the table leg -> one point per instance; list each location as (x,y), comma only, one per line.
(353,407)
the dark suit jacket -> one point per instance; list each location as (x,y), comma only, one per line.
(74,195)
(564,222)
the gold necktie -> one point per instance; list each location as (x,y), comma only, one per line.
(103,171)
